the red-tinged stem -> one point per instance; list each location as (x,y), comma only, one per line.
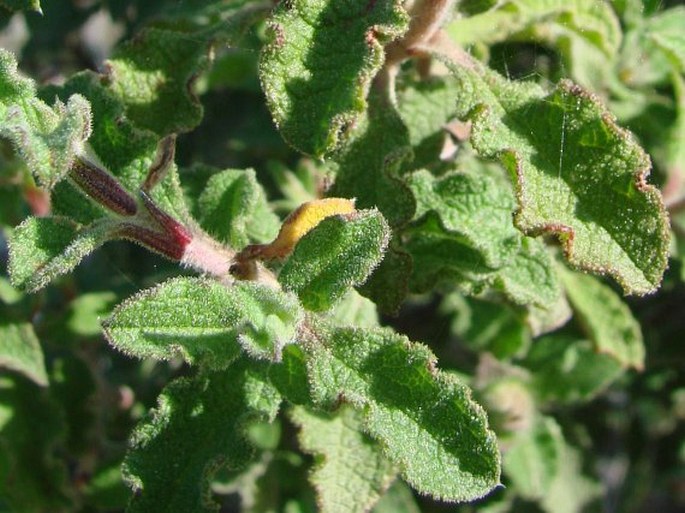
(170,225)
(102,187)
(155,241)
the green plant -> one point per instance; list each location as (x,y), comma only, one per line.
(481,203)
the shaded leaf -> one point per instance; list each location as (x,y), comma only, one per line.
(233,208)
(20,351)
(350,472)
(196,429)
(313,102)
(605,318)
(568,370)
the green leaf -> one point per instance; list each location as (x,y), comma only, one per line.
(339,253)
(86,310)
(46,138)
(398,499)
(366,169)
(605,318)
(534,458)
(153,76)
(577,174)
(233,208)
(569,370)
(666,30)
(465,234)
(43,248)
(488,326)
(312,101)
(20,350)
(426,421)
(350,472)
(554,22)
(23,5)
(196,429)
(32,478)
(355,310)
(290,376)
(121,147)
(204,322)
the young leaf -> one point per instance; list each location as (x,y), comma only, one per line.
(350,472)
(196,429)
(47,138)
(577,174)
(42,248)
(605,318)
(312,102)
(233,207)
(339,253)
(426,421)
(20,351)
(204,322)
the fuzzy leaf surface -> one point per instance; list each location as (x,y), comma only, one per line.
(465,234)
(605,318)
(318,64)
(46,138)
(577,174)
(43,248)
(426,420)
(233,207)
(20,350)
(367,169)
(350,472)
(339,253)
(204,322)
(196,429)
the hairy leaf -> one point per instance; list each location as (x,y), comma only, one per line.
(339,253)
(426,421)
(318,64)
(47,138)
(350,472)
(605,318)
(196,429)
(465,234)
(43,248)
(204,322)
(577,174)
(233,207)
